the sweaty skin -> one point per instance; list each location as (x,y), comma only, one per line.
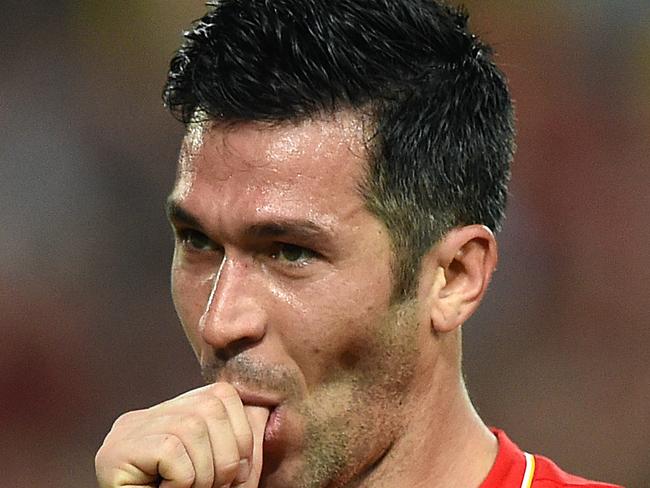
(282,280)
(321,332)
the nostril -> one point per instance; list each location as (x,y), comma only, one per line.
(234,348)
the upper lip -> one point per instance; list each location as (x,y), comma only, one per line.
(256,398)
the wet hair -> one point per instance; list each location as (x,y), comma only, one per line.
(440,110)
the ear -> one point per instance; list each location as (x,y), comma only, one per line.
(456,273)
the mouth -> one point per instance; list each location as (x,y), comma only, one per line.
(268,401)
(257,399)
(273,427)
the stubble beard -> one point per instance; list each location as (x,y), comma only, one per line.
(352,420)
(352,423)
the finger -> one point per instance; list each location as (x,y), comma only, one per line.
(140,462)
(238,419)
(188,394)
(203,422)
(194,432)
(185,424)
(257,416)
(177,404)
(223,444)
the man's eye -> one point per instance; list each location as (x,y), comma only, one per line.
(292,254)
(195,241)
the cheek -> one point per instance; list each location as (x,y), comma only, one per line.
(337,335)
(190,294)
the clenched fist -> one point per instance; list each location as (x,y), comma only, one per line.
(205,438)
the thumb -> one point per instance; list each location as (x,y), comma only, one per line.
(257,416)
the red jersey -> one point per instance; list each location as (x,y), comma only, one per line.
(514,468)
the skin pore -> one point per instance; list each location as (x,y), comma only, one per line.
(282,280)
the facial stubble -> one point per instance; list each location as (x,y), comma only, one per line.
(353,420)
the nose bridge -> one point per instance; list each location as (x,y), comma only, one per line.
(233,315)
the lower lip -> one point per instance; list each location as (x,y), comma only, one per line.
(273,425)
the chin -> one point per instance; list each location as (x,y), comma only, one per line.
(284,474)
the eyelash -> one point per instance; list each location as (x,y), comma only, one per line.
(306,254)
(184,237)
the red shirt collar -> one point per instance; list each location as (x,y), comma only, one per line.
(509,466)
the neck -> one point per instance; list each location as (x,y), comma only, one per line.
(444,443)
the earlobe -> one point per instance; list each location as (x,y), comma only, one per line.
(464,261)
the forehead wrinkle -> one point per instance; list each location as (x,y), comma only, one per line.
(290,188)
(240,147)
(211,142)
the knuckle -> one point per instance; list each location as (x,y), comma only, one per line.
(172,446)
(100,459)
(126,422)
(132,415)
(101,454)
(112,478)
(105,453)
(226,472)
(125,419)
(212,407)
(245,442)
(111,469)
(192,424)
(186,480)
(224,390)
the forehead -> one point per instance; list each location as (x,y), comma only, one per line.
(314,166)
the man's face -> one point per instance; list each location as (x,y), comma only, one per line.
(282,281)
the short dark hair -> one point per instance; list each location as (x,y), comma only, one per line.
(440,108)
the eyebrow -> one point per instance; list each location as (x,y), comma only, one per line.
(274,228)
(177,214)
(297,228)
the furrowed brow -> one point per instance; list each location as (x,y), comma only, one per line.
(178,215)
(301,229)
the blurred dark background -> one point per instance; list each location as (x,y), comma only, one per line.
(558,355)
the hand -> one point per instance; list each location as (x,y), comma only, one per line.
(205,438)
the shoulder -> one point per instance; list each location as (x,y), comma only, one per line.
(549,475)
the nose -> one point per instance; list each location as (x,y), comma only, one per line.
(234,318)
